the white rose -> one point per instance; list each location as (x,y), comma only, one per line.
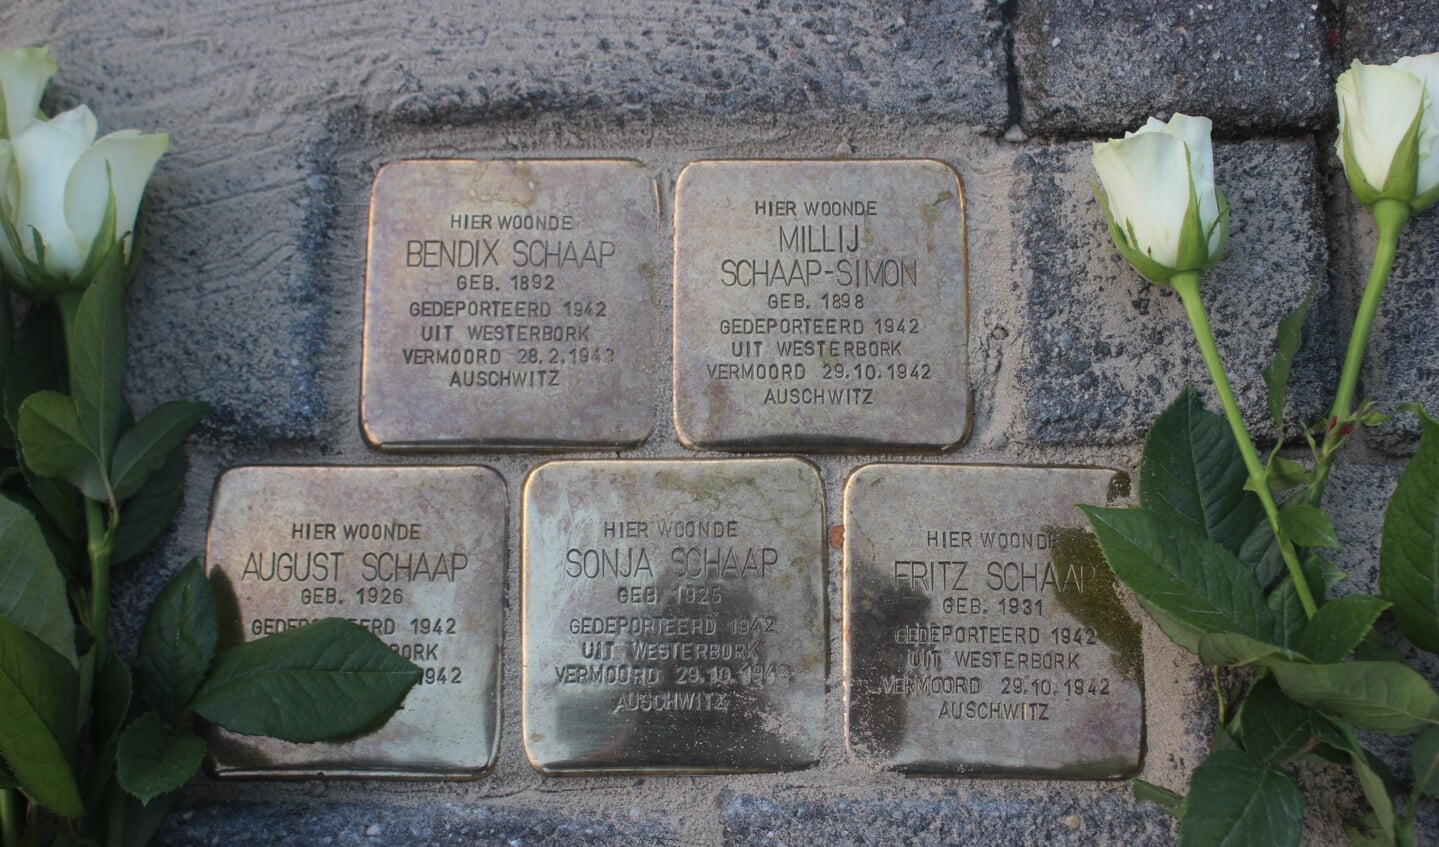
(56,180)
(23,75)
(1389,130)
(1164,211)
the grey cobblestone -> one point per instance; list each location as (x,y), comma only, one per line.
(1052,817)
(1380,31)
(1101,66)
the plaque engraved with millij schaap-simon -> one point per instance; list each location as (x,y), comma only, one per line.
(511,304)
(413,554)
(673,615)
(983,632)
(820,305)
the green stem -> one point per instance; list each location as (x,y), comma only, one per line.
(1187,284)
(100,546)
(115,815)
(1389,219)
(9,817)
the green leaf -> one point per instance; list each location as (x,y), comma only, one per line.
(1261,552)
(147,514)
(1162,797)
(37,361)
(1379,696)
(60,505)
(1409,552)
(7,337)
(38,690)
(1377,783)
(1285,473)
(153,760)
(7,779)
(1271,725)
(1290,619)
(1307,526)
(1238,800)
(112,699)
(1424,755)
(1195,583)
(1234,650)
(142,820)
(1192,472)
(144,448)
(32,589)
(113,694)
(54,444)
(1286,346)
(97,347)
(326,679)
(1339,626)
(178,642)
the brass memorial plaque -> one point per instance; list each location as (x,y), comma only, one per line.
(983,633)
(820,305)
(673,615)
(415,555)
(511,304)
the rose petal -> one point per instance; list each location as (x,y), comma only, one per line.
(1146,178)
(44,155)
(1425,68)
(131,158)
(1377,105)
(23,76)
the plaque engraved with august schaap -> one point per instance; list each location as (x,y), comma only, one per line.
(413,554)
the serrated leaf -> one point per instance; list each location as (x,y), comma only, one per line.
(1376,781)
(1285,473)
(1409,552)
(1231,649)
(323,680)
(60,505)
(37,360)
(97,348)
(1339,626)
(54,444)
(153,760)
(1424,756)
(38,691)
(148,513)
(32,590)
(1261,552)
(1162,797)
(1379,696)
(1290,618)
(1193,581)
(1238,800)
(1193,472)
(1286,346)
(1272,726)
(142,820)
(178,642)
(144,448)
(1307,526)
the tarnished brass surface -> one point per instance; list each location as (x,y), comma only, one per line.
(983,634)
(511,304)
(416,555)
(820,305)
(673,615)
